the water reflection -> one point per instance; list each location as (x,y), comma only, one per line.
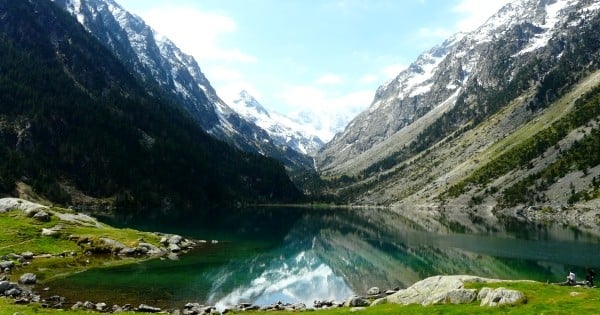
(302,255)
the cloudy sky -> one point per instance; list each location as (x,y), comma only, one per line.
(308,54)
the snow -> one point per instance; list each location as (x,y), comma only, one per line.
(552,18)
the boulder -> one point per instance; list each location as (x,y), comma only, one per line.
(502,296)
(6,264)
(435,290)
(461,296)
(174,248)
(149,249)
(7,204)
(356,301)
(148,309)
(27,255)
(28,278)
(4,285)
(42,216)
(14,292)
(373,291)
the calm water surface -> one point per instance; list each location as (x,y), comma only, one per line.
(301,255)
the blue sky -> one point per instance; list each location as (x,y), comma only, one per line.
(314,55)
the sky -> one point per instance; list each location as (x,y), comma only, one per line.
(319,56)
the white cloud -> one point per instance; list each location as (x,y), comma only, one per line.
(476,12)
(329,79)
(196,32)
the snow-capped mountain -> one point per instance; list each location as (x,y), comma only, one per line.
(283,130)
(159,62)
(461,69)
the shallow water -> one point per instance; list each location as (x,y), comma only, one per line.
(301,255)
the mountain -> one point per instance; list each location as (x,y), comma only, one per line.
(159,62)
(283,130)
(494,120)
(77,127)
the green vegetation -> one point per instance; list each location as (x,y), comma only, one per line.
(81,119)
(519,156)
(67,250)
(541,299)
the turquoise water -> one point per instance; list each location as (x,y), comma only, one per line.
(300,255)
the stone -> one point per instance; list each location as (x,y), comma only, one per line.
(6,264)
(148,309)
(4,285)
(355,301)
(357,309)
(390,292)
(433,290)
(77,305)
(483,293)
(379,302)
(14,292)
(50,232)
(115,246)
(89,305)
(27,255)
(373,291)
(101,307)
(28,278)
(461,296)
(502,296)
(149,249)
(174,248)
(42,216)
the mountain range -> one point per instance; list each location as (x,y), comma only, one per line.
(500,119)
(78,126)
(159,62)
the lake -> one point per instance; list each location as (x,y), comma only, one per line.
(265,255)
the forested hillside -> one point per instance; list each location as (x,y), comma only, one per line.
(72,118)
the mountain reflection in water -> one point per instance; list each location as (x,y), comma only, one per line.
(300,255)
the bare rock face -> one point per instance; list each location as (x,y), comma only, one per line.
(7,204)
(500,296)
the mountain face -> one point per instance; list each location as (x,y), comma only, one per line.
(158,61)
(494,119)
(78,127)
(283,130)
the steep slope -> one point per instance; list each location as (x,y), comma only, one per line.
(73,120)
(158,61)
(283,130)
(509,110)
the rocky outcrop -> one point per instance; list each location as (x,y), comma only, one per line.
(28,207)
(451,290)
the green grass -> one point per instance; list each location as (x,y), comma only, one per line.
(540,299)
(19,233)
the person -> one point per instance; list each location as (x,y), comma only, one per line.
(571,278)
(589,277)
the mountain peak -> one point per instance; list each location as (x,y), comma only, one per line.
(247,100)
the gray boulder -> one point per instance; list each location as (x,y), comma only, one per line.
(461,296)
(148,309)
(4,285)
(6,264)
(373,291)
(42,216)
(502,296)
(356,301)
(27,255)
(28,278)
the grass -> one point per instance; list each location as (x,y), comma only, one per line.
(541,298)
(19,233)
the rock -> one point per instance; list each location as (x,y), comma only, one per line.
(390,292)
(483,293)
(115,246)
(148,309)
(42,216)
(78,305)
(128,251)
(174,248)
(14,292)
(461,296)
(373,291)
(357,309)
(4,285)
(101,307)
(7,204)
(52,231)
(354,301)
(6,264)
(149,249)
(379,302)
(433,290)
(28,278)
(502,296)
(27,255)
(89,305)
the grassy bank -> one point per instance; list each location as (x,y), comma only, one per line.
(541,298)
